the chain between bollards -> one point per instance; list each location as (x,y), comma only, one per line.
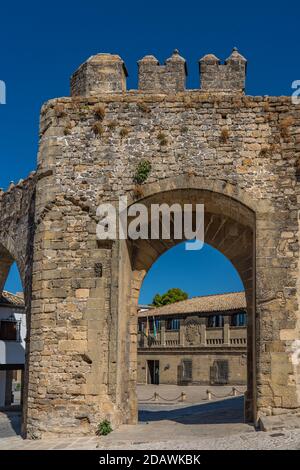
(234,393)
(182,397)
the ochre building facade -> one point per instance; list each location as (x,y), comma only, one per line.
(198,341)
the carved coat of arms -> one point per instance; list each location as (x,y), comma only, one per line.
(192,331)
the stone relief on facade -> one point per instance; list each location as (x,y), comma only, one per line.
(192,331)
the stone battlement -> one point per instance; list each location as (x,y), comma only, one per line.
(106,73)
(21,184)
(228,76)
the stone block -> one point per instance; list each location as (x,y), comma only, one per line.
(82,293)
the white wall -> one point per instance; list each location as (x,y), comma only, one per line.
(13,352)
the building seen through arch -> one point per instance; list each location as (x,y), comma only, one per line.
(199,341)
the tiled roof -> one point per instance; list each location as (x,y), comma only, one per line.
(203,304)
(7,298)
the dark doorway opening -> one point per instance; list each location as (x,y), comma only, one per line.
(11,381)
(153,372)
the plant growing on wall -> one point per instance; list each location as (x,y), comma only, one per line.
(143,107)
(59,110)
(124,132)
(142,172)
(98,128)
(285,125)
(104,428)
(99,112)
(67,128)
(138,192)
(224,135)
(162,138)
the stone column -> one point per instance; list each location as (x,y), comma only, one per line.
(163,333)
(202,331)
(226,331)
(182,333)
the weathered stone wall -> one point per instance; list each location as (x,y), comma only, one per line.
(228,76)
(168,78)
(218,142)
(102,73)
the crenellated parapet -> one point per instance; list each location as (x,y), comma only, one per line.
(21,184)
(228,76)
(101,73)
(106,73)
(167,78)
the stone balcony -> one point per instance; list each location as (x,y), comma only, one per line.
(226,336)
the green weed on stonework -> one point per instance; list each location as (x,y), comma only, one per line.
(142,172)
(104,428)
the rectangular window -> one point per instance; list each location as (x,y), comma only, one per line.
(219,372)
(8,330)
(239,319)
(172,324)
(215,321)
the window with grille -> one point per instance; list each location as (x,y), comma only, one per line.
(187,370)
(219,372)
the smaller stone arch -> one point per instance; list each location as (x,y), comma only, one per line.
(17,227)
(6,261)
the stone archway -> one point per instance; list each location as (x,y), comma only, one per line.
(230,227)
(239,153)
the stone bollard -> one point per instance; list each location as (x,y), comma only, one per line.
(183,396)
(208,395)
(234,391)
(155,396)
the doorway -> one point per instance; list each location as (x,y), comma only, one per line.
(153,372)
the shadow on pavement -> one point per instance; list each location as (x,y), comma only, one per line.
(226,411)
(10,423)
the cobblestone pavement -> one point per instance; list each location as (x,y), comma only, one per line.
(192,425)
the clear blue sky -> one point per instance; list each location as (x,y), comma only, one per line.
(199,272)
(43,43)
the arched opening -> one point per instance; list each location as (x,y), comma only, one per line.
(229,227)
(12,340)
(192,353)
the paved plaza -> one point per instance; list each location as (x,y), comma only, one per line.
(193,424)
